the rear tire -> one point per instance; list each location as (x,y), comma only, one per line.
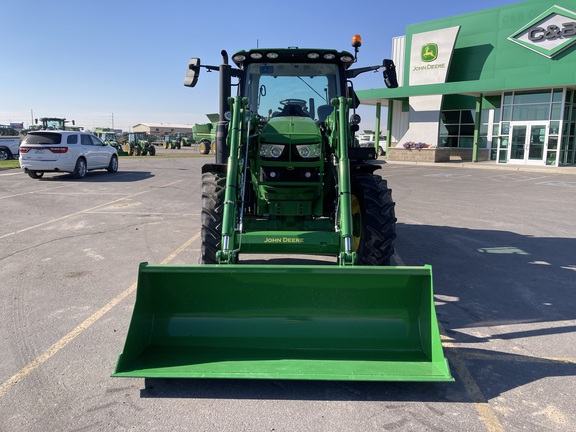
(204,147)
(80,169)
(213,188)
(35,174)
(373,220)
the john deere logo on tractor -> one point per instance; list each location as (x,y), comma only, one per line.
(429,52)
(549,33)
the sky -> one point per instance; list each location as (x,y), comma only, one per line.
(115,63)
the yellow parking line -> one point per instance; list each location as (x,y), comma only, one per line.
(481,404)
(46,355)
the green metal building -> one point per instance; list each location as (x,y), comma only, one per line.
(498,84)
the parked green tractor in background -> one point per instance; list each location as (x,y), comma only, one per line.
(289,179)
(172,142)
(108,136)
(186,140)
(55,123)
(139,145)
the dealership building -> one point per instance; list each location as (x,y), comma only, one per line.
(499,84)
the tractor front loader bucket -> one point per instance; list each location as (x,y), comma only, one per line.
(284,322)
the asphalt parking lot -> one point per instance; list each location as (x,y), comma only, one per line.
(502,245)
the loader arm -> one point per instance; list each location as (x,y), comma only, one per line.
(347,255)
(227,254)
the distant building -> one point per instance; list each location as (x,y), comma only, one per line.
(162,128)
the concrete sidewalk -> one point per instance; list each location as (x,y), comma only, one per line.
(492,165)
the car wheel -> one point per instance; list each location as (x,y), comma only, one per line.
(152,151)
(113,165)
(5,154)
(36,174)
(80,169)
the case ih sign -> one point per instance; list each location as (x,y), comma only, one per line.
(548,34)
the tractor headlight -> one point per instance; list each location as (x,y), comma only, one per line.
(355,119)
(271,150)
(309,151)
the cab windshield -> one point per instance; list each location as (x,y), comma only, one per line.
(300,89)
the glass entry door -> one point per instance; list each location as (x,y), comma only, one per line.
(528,144)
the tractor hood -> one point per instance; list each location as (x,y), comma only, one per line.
(291,130)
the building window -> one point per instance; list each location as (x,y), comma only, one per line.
(457,128)
(532,106)
(568,144)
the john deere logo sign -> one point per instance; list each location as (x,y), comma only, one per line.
(429,52)
(548,34)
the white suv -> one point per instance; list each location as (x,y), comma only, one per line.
(65,151)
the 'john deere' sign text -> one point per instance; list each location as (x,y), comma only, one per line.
(430,55)
(548,34)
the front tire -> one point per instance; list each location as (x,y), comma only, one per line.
(373,220)
(213,188)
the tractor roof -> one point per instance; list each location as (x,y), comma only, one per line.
(293,55)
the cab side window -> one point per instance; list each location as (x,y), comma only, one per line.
(72,139)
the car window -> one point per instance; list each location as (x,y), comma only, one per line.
(43,138)
(72,139)
(86,140)
(96,141)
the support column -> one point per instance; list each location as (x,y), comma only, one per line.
(477,127)
(377,127)
(389,125)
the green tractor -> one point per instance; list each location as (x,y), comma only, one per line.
(108,136)
(186,140)
(289,180)
(139,145)
(55,123)
(172,142)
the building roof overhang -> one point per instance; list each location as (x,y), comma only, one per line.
(476,89)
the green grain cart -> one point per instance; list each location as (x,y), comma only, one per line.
(289,179)
(204,134)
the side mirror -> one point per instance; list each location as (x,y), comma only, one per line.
(192,73)
(389,73)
